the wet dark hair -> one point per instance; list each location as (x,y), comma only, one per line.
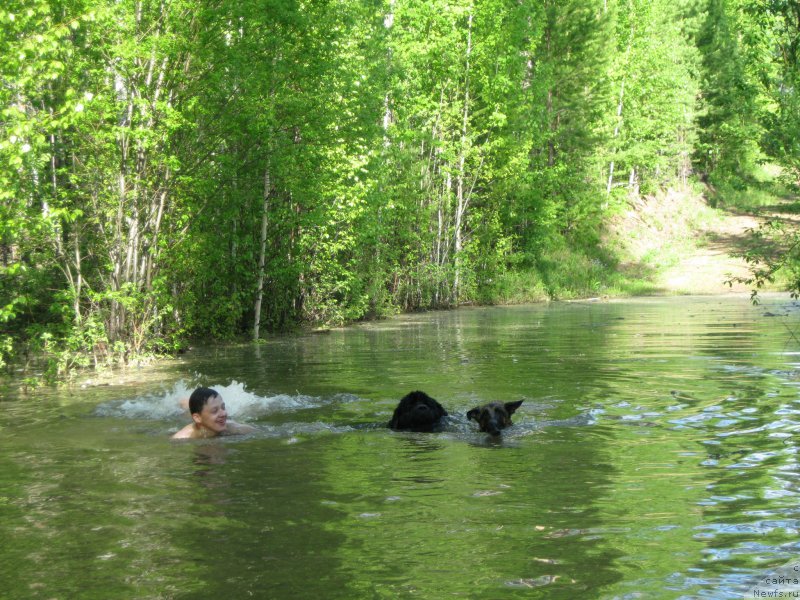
(199,398)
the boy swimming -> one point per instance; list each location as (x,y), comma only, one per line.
(209,417)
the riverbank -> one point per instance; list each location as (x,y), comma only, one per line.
(680,245)
(673,243)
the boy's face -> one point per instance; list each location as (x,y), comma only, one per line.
(213,415)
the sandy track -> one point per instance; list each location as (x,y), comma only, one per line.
(707,269)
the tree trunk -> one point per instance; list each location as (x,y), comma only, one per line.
(461,198)
(616,133)
(619,103)
(551,146)
(262,255)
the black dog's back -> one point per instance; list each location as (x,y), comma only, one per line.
(417,412)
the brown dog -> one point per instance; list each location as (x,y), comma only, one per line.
(494,416)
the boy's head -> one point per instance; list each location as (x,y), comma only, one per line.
(199,398)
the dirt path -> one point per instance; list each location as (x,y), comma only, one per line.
(713,259)
(706,269)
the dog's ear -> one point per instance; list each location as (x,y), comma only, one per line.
(512,406)
(473,414)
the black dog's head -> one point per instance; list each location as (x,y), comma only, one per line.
(494,416)
(417,412)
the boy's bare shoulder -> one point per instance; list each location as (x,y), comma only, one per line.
(186,433)
(234,428)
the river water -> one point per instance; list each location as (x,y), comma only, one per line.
(654,456)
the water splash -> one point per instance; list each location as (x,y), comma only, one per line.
(240,403)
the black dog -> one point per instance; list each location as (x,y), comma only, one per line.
(417,412)
(494,416)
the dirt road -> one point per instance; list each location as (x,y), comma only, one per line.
(706,269)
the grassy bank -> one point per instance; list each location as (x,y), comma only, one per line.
(642,239)
(645,242)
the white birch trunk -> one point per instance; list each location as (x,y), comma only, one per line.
(616,133)
(262,255)
(461,199)
(610,183)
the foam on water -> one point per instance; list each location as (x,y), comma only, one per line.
(240,403)
(246,406)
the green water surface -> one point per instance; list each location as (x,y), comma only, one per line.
(653,457)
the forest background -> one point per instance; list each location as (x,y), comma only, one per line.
(175,169)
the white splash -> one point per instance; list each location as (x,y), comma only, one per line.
(239,402)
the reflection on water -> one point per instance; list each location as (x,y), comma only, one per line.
(653,456)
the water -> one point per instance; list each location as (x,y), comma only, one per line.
(654,456)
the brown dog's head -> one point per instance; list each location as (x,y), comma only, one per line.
(494,416)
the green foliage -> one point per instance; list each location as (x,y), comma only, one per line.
(751,75)
(736,63)
(182,169)
(655,87)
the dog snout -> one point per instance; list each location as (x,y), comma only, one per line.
(492,427)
